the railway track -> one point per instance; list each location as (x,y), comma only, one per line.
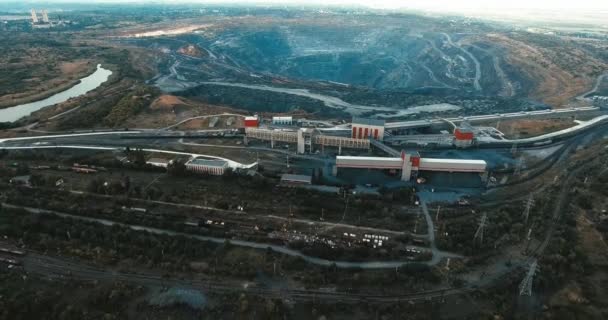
(62,268)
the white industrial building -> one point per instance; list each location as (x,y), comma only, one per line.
(212,167)
(452,165)
(408,163)
(158,162)
(305,138)
(367,128)
(282,120)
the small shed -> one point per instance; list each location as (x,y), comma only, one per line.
(296,179)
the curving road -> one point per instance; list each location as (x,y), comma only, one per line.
(473,58)
(231,163)
(598,82)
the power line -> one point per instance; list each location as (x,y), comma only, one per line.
(480,228)
(529,204)
(518,166)
(525,287)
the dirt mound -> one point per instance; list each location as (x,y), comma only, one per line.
(166,102)
(191,50)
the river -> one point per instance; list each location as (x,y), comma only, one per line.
(85,85)
(335,102)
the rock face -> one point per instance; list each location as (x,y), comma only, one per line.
(191,50)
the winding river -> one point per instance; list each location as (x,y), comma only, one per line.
(85,85)
(335,102)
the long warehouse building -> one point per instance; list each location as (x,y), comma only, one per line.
(409,163)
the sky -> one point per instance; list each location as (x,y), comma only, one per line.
(588,12)
(436,5)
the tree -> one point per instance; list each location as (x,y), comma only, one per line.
(137,157)
(177,168)
(229,173)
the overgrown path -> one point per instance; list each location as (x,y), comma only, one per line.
(255,245)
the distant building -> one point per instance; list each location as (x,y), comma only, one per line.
(158,162)
(363,128)
(282,120)
(463,135)
(21,180)
(296,179)
(601,101)
(252,122)
(212,167)
(410,164)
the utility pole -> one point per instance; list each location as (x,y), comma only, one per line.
(514,147)
(525,287)
(345,208)
(529,205)
(482,225)
(528,238)
(520,163)
(437,215)
(290,220)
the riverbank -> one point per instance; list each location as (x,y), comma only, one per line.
(9,100)
(84,85)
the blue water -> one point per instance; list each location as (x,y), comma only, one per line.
(86,84)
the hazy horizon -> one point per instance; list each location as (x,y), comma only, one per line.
(593,12)
(448,5)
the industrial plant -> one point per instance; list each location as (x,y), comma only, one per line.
(395,140)
(213,161)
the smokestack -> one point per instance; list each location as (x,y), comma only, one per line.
(34,17)
(45,16)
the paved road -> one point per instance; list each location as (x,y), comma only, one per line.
(67,135)
(598,82)
(231,163)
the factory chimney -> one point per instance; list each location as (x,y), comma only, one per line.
(34,17)
(45,16)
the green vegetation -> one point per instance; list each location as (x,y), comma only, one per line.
(25,297)
(130,105)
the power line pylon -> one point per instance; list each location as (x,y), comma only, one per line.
(525,287)
(480,228)
(527,208)
(528,240)
(518,166)
(514,146)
